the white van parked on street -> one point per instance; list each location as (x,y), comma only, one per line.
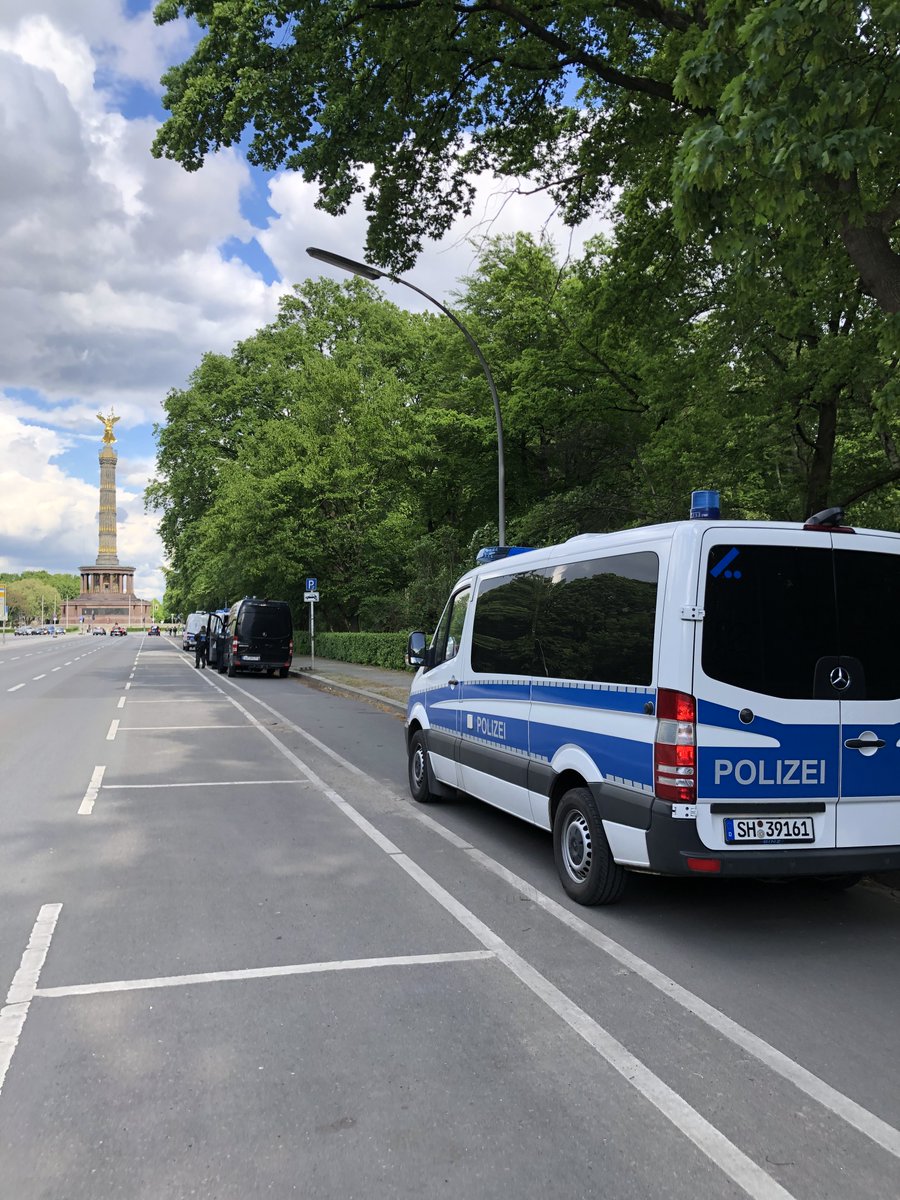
(703,697)
(192,626)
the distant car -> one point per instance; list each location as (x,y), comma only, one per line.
(153,631)
(118,631)
(98,629)
(21,631)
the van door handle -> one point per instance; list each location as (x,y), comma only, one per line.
(455,683)
(866,741)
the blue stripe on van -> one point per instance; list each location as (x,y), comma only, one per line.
(624,758)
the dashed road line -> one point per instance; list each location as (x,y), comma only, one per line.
(113,730)
(16,688)
(87,804)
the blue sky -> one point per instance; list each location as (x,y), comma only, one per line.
(121,271)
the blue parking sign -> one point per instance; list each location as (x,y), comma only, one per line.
(312,583)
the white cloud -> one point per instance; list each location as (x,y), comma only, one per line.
(113,285)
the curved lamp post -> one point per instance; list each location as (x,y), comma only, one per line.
(373,273)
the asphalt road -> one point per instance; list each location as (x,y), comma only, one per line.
(257,969)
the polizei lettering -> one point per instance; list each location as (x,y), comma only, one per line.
(491,727)
(783,772)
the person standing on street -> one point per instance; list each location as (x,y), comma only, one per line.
(201,647)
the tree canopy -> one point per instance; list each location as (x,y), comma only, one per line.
(777,119)
(355,441)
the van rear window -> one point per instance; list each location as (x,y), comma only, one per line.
(868,591)
(265,621)
(772,613)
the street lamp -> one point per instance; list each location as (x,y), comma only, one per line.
(373,273)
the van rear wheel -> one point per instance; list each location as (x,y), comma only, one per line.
(420,783)
(583,857)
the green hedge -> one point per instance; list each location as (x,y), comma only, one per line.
(373,649)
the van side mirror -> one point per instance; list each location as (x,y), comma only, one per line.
(416,649)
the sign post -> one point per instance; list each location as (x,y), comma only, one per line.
(311,596)
(3,612)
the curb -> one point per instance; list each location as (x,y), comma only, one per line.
(324,684)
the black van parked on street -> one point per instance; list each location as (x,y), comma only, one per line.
(260,637)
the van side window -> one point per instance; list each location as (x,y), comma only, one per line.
(503,631)
(450,627)
(597,619)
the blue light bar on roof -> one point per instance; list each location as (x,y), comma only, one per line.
(705,506)
(492,553)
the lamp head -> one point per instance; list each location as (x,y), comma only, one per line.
(346,264)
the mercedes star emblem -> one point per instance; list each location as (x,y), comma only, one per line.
(840,679)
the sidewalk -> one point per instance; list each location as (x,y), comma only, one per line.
(374,683)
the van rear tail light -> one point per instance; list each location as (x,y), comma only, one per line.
(291,647)
(675,748)
(234,645)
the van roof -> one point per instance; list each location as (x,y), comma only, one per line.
(690,531)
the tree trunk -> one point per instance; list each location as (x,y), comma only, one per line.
(818,485)
(870,251)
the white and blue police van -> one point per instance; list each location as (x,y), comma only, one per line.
(705,697)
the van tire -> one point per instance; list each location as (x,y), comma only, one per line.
(283,672)
(583,857)
(421,783)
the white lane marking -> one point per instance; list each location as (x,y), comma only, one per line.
(121,703)
(68,664)
(185,699)
(22,988)
(866,1122)
(710,1141)
(127,787)
(16,688)
(113,730)
(127,686)
(87,804)
(35,678)
(349,964)
(56,669)
(169,728)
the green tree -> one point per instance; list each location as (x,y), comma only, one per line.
(30,599)
(777,114)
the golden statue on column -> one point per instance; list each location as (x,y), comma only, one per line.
(108,436)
